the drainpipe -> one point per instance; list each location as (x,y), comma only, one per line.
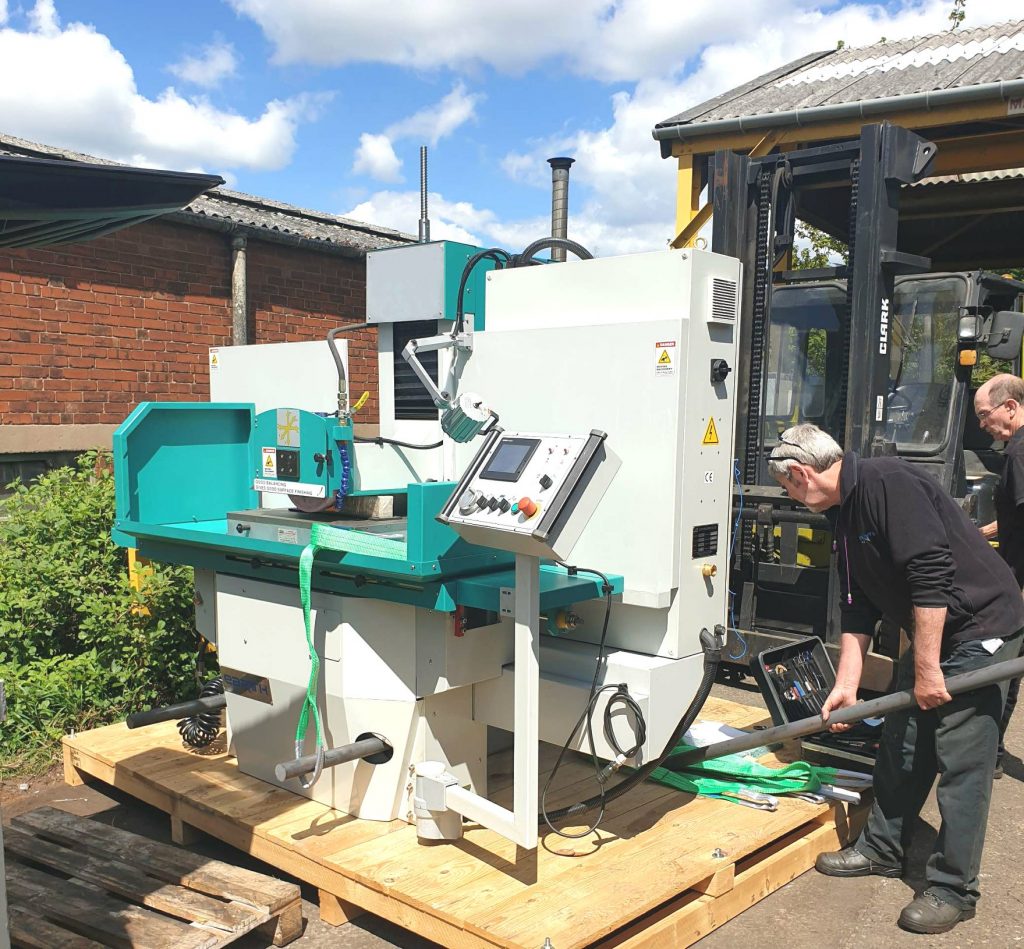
(239,293)
(424,234)
(560,202)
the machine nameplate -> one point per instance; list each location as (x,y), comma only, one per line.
(247,685)
(289,487)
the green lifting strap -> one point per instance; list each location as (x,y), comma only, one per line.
(324,537)
(738,772)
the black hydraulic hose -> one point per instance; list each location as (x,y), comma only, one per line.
(545,243)
(210,703)
(381,440)
(713,644)
(342,381)
(499,256)
(201,729)
(875,708)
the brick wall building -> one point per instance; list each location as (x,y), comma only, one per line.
(89,330)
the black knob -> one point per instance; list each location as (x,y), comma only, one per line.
(504,504)
(493,504)
(481,502)
(719,370)
(545,481)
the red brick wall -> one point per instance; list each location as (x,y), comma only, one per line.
(89,330)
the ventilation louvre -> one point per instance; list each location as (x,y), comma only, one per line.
(723,300)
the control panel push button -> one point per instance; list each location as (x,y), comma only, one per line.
(545,481)
(527,507)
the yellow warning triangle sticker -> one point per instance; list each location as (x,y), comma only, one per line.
(664,359)
(710,433)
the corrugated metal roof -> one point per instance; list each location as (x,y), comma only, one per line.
(1006,174)
(248,214)
(946,60)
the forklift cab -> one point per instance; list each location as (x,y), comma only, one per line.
(929,416)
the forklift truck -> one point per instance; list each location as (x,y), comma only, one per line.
(880,353)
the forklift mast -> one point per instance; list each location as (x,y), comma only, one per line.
(755,206)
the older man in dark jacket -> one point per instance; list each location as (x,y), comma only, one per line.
(909,553)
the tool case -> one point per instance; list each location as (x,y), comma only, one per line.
(795,680)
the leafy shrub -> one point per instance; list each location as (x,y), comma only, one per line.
(78,645)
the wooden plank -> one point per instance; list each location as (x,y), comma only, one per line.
(691,917)
(336,912)
(100,916)
(28,929)
(167,863)
(130,881)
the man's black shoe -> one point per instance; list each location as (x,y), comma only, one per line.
(929,914)
(997,771)
(852,863)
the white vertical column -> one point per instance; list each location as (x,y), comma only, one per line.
(527,699)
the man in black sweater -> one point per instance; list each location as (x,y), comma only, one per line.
(999,405)
(908,552)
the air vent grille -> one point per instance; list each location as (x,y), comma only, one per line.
(723,300)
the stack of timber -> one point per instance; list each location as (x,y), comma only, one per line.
(664,868)
(74,883)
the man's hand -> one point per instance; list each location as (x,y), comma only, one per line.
(842,696)
(930,689)
(989,531)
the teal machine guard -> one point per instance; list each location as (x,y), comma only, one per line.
(186,476)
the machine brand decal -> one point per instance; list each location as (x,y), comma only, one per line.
(287,428)
(883,328)
(247,685)
(269,462)
(665,358)
(289,487)
(1015,107)
(214,359)
(710,433)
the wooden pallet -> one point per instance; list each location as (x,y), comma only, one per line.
(664,868)
(74,882)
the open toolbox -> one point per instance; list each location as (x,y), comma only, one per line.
(795,680)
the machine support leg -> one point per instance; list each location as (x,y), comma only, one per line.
(527,699)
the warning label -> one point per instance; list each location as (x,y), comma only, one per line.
(214,359)
(269,462)
(665,358)
(710,433)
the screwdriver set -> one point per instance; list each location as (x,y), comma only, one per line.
(795,680)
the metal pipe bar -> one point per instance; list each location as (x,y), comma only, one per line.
(875,708)
(209,703)
(363,748)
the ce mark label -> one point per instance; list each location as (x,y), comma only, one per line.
(709,477)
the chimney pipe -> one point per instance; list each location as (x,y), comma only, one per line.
(424,235)
(559,202)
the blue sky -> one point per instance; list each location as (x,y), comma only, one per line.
(324,103)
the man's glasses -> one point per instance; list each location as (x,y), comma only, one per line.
(800,448)
(984,415)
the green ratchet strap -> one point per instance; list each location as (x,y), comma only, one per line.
(323,537)
(738,772)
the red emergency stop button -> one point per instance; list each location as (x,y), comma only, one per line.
(527,507)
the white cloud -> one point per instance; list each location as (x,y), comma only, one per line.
(3,12)
(376,153)
(620,40)
(215,62)
(376,157)
(43,98)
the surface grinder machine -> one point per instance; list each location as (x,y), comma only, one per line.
(537,536)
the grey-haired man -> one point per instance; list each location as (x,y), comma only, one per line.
(908,552)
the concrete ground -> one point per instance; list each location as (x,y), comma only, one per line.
(811,912)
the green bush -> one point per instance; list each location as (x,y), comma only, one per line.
(79,646)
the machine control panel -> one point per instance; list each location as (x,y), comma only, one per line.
(522,489)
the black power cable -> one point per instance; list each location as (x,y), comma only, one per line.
(201,730)
(526,257)
(381,440)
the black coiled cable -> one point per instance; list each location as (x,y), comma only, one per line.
(200,730)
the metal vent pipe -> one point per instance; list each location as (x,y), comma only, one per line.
(424,235)
(559,202)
